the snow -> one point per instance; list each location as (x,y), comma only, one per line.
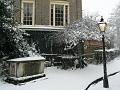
(41,27)
(77,79)
(27,77)
(44,54)
(82,29)
(38,58)
(114,83)
(67,56)
(113,49)
(108,50)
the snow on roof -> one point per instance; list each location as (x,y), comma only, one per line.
(35,58)
(41,27)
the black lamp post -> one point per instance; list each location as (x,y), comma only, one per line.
(102,26)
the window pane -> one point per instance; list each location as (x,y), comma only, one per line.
(27,13)
(59,14)
(59,9)
(51,14)
(66,15)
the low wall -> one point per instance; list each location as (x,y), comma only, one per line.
(110,55)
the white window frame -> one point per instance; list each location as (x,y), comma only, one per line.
(59,3)
(22,10)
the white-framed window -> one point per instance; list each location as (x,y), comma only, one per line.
(59,13)
(27,14)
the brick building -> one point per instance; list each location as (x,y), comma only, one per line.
(43,18)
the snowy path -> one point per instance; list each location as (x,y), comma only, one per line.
(57,79)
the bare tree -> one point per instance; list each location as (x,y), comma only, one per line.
(114,22)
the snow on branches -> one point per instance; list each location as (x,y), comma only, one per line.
(114,22)
(12,42)
(85,28)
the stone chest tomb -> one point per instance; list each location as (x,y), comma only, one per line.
(25,69)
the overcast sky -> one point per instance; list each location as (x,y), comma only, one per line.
(103,7)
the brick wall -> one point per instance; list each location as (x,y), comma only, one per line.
(42,10)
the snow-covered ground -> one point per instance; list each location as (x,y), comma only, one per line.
(57,79)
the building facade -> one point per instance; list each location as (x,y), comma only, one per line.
(42,17)
(48,12)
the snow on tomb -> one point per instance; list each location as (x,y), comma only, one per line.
(25,69)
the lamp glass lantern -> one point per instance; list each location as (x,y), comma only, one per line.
(102,26)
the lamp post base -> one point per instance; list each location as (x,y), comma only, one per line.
(105,83)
